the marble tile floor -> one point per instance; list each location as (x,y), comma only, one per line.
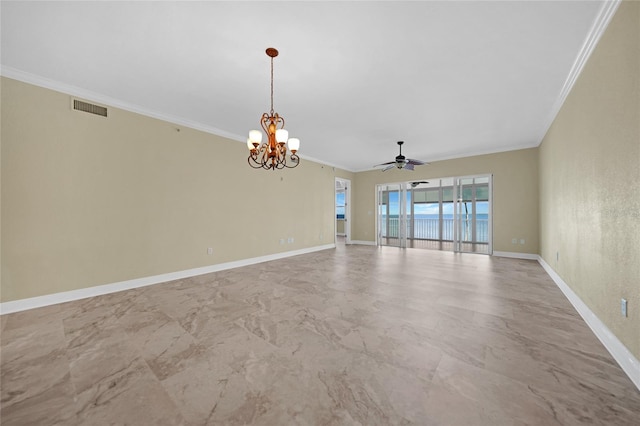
(355,335)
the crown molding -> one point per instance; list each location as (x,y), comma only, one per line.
(88,95)
(607,10)
(466,154)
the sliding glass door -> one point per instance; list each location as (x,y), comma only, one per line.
(472,214)
(392,215)
(445,214)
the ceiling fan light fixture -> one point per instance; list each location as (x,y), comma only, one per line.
(272,154)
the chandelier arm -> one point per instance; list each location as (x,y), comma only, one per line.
(295,160)
(266,154)
(264,123)
(261,154)
(274,164)
(253,159)
(275,118)
(283,152)
(265,163)
(264,149)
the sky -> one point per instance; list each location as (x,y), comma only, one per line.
(482,207)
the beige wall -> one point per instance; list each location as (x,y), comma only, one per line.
(589,181)
(89,201)
(515,194)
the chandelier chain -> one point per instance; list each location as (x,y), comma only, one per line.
(271,85)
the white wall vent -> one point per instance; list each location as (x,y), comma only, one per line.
(79,105)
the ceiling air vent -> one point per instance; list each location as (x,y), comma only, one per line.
(90,108)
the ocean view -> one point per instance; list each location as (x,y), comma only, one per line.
(427,226)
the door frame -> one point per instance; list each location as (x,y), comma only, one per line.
(405,187)
(346,184)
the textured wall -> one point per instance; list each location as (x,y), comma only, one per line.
(589,181)
(89,201)
(515,194)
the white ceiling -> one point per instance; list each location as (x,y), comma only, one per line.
(449,78)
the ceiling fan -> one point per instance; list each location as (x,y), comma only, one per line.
(401,162)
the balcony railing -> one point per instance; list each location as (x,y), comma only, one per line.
(429,229)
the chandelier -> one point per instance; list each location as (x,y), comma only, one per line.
(272,154)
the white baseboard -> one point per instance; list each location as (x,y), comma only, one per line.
(629,363)
(363,243)
(515,255)
(83,293)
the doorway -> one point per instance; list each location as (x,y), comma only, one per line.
(343,211)
(452,214)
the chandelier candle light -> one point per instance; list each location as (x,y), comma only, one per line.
(272,154)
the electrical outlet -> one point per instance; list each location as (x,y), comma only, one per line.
(514,241)
(623,307)
(521,241)
(281,241)
(290,240)
(210,250)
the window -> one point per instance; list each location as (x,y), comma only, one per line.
(340,205)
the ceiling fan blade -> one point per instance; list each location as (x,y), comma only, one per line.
(401,161)
(384,164)
(416,162)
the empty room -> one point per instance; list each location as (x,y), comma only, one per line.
(320,213)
